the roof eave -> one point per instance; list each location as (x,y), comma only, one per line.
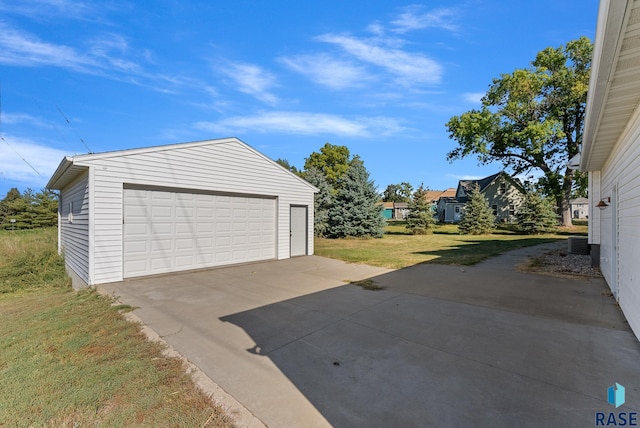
(606,50)
(65,164)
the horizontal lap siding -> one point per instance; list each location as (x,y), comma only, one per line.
(218,167)
(623,170)
(74,234)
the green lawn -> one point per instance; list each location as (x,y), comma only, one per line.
(398,249)
(70,359)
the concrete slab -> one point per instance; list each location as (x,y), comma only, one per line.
(439,345)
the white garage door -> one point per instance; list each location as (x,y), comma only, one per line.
(172,231)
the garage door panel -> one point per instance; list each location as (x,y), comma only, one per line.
(185,244)
(170,231)
(135,229)
(184,261)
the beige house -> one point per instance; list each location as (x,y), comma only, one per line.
(504,194)
(579,208)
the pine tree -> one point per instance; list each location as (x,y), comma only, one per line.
(477,217)
(323,200)
(420,220)
(536,214)
(355,211)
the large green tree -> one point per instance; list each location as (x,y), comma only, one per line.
(332,160)
(398,192)
(356,211)
(533,119)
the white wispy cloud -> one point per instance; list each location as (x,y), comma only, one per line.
(24,49)
(70,9)
(109,56)
(410,68)
(302,123)
(473,97)
(23,118)
(44,160)
(414,17)
(252,80)
(328,71)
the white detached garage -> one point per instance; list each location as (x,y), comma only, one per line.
(163,209)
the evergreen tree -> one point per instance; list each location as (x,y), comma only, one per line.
(323,200)
(420,220)
(536,214)
(28,209)
(286,165)
(477,217)
(356,211)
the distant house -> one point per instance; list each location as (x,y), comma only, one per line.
(395,210)
(400,210)
(579,208)
(434,196)
(388,211)
(505,194)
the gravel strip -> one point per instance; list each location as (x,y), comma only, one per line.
(563,263)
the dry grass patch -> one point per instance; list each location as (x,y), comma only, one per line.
(71,359)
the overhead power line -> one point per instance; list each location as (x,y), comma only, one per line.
(21,157)
(74,130)
(10,146)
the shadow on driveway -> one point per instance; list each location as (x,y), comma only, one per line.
(437,346)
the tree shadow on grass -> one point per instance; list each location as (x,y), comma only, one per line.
(476,251)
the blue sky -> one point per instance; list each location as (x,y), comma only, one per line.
(380,77)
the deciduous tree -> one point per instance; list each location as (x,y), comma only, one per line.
(332,160)
(398,192)
(533,119)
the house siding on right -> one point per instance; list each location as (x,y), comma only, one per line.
(611,153)
(619,223)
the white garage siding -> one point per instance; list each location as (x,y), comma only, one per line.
(167,231)
(219,166)
(622,172)
(73,211)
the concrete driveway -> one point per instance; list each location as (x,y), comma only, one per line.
(438,346)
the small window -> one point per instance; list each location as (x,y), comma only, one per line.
(495,210)
(512,209)
(502,188)
(457,210)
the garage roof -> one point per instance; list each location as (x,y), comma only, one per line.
(72,167)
